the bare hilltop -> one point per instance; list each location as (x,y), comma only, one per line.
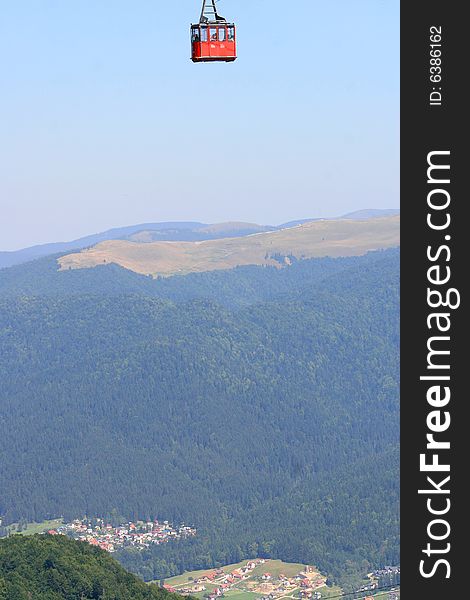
(332,237)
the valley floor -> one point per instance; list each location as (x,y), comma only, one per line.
(265,580)
(255,579)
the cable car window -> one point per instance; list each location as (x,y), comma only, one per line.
(231,33)
(213,34)
(203,34)
(221,34)
(196,36)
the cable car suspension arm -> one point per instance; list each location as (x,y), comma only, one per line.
(209,13)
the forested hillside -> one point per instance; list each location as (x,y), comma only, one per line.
(259,405)
(56,568)
(237,287)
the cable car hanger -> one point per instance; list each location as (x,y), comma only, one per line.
(213,39)
(209,13)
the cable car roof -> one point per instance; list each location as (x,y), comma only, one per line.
(213,23)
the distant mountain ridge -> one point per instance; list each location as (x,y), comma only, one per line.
(164,231)
(371,213)
(9,259)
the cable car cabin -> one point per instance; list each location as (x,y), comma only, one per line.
(213,42)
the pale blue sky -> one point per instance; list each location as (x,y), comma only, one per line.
(106,122)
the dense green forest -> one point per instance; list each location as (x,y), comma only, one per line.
(237,287)
(258,405)
(57,568)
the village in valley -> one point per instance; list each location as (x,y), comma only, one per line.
(268,579)
(258,578)
(138,535)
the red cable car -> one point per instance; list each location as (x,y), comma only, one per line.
(213,39)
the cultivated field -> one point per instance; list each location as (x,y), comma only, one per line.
(32,528)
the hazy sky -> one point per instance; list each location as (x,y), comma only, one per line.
(106,122)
